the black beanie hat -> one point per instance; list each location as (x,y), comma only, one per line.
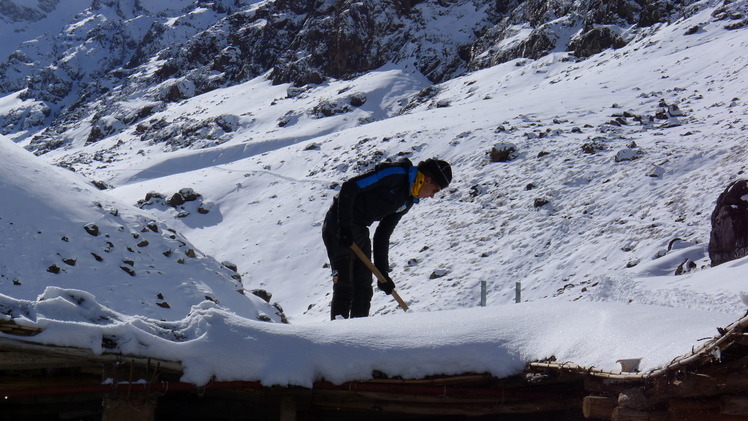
(439,171)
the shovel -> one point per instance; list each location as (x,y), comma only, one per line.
(377,273)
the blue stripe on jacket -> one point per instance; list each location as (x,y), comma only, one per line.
(379,175)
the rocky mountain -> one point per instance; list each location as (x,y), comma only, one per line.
(117,62)
(11,12)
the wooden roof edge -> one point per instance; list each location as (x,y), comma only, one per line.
(84,355)
(10,327)
(709,350)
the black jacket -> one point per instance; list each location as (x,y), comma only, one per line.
(382,194)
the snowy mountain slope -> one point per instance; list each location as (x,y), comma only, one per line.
(65,64)
(657,105)
(58,233)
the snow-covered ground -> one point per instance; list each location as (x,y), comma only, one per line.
(596,262)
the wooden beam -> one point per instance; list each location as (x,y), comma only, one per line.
(288,408)
(11,360)
(699,410)
(129,407)
(409,403)
(627,414)
(642,398)
(718,380)
(9,386)
(734,405)
(83,356)
(11,328)
(463,380)
(598,407)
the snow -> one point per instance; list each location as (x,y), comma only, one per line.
(215,344)
(15,33)
(596,263)
(43,226)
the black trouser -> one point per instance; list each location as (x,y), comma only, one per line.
(352,288)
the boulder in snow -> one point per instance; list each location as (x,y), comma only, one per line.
(628,154)
(729,236)
(503,152)
(688,265)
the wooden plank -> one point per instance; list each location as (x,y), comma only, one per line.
(287,408)
(710,381)
(699,410)
(462,380)
(11,328)
(14,345)
(628,414)
(734,405)
(51,408)
(11,360)
(405,403)
(8,384)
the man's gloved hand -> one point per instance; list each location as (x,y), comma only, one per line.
(345,237)
(387,286)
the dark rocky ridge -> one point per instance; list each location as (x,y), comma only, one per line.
(11,11)
(296,41)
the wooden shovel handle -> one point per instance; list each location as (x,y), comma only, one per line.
(356,249)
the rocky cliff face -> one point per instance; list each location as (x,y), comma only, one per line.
(117,49)
(11,11)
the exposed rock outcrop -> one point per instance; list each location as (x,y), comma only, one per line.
(729,235)
(96,63)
